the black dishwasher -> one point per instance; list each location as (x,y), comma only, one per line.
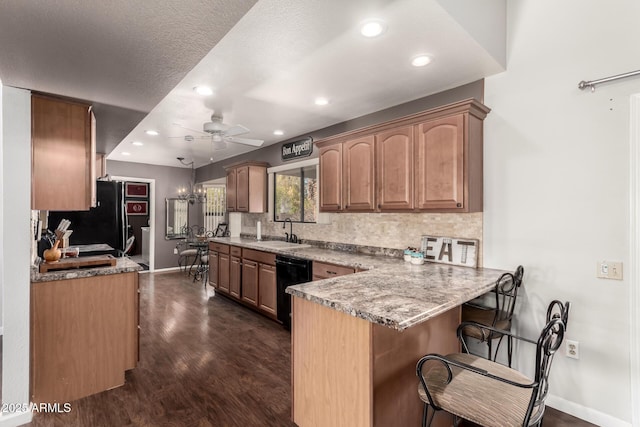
(289,271)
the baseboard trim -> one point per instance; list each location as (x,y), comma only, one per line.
(166,270)
(15,419)
(584,413)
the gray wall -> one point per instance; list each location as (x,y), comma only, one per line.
(271,154)
(167,181)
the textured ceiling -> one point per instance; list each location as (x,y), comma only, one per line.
(117,53)
(266,63)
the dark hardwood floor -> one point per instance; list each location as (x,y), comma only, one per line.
(204,361)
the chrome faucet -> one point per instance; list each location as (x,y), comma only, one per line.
(289,236)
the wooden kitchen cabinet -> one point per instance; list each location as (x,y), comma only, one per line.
(440,163)
(247,187)
(231,190)
(394,154)
(448,160)
(331,178)
(323,270)
(62,154)
(267,291)
(235,276)
(358,174)
(213,269)
(250,282)
(219,269)
(84,335)
(224,270)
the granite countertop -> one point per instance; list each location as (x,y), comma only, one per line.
(123,265)
(392,292)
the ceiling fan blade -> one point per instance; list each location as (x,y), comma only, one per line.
(192,130)
(245,141)
(236,130)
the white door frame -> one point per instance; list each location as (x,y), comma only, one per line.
(634,256)
(152,214)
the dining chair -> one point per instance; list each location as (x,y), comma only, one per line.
(486,392)
(499,315)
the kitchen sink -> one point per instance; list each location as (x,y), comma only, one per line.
(279,244)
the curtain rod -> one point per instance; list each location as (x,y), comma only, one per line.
(592,84)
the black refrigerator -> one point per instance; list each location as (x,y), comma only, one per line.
(104,224)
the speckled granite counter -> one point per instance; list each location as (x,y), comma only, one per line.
(392,292)
(123,265)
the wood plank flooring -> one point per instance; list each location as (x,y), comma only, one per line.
(204,361)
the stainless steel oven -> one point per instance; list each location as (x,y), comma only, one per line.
(289,271)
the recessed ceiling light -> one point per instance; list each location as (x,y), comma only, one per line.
(137,143)
(278,132)
(421,60)
(151,132)
(321,101)
(372,28)
(125,153)
(203,90)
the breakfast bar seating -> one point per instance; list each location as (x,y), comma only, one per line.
(485,392)
(356,340)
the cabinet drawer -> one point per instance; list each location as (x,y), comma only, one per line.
(259,256)
(322,270)
(236,251)
(219,247)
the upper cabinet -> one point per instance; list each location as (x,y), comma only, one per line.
(394,151)
(247,187)
(62,154)
(431,161)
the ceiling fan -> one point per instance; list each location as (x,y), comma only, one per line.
(221,132)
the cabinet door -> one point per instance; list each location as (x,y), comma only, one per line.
(250,282)
(213,269)
(242,189)
(267,290)
(62,155)
(394,154)
(235,274)
(224,279)
(358,174)
(331,178)
(440,163)
(231,190)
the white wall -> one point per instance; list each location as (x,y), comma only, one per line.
(16,246)
(557,186)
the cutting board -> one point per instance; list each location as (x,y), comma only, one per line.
(69,263)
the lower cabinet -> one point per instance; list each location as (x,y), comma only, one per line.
(250,282)
(84,335)
(267,291)
(235,274)
(246,275)
(323,270)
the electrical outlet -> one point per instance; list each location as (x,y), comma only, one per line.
(175,251)
(609,270)
(572,349)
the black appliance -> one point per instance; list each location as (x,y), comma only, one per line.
(104,224)
(289,271)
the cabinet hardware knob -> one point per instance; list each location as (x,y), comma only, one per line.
(459,205)
(379,206)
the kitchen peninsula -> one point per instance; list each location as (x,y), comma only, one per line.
(356,338)
(84,330)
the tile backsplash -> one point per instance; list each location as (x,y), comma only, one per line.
(387,230)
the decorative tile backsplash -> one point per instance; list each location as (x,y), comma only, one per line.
(385,230)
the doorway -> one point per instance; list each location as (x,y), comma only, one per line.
(140,205)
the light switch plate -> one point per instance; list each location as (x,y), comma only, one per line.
(609,270)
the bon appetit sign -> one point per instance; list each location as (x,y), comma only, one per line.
(297,149)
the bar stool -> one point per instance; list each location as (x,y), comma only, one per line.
(499,316)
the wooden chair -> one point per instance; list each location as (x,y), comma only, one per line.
(486,392)
(499,316)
